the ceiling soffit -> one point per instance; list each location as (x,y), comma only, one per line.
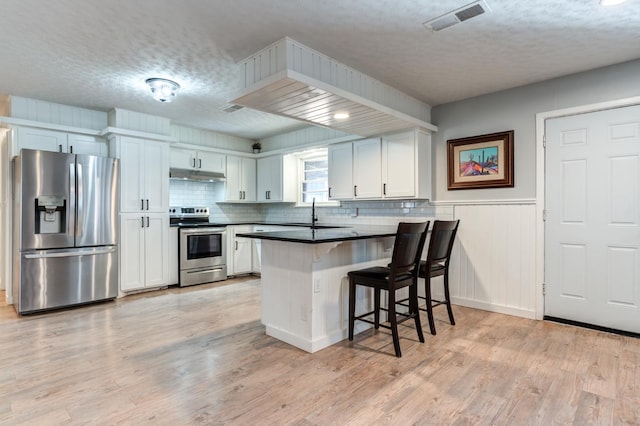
(292,80)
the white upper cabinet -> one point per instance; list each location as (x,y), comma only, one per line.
(240,185)
(354,170)
(396,166)
(406,165)
(340,171)
(52,140)
(367,181)
(205,161)
(144,175)
(277,179)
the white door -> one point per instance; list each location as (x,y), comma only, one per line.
(592,230)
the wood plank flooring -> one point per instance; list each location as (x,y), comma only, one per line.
(199,355)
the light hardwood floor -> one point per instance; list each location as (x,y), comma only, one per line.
(199,355)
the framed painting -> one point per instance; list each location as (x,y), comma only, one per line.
(484,161)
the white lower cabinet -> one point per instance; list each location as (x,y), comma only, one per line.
(240,252)
(144,241)
(256,256)
(174,271)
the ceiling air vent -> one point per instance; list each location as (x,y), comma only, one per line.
(232,108)
(456,16)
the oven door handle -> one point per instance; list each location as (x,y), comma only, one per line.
(205,271)
(203,231)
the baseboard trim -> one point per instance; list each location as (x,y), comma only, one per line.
(591,326)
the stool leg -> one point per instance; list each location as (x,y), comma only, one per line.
(393,322)
(427,293)
(376,308)
(447,298)
(352,306)
(413,308)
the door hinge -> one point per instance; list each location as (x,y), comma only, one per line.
(544,289)
(544,141)
(544,215)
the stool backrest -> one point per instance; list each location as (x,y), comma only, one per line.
(443,234)
(407,249)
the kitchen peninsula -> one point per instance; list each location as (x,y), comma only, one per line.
(304,281)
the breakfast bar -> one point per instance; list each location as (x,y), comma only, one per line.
(304,280)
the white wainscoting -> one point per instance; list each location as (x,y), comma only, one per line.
(48,112)
(493,260)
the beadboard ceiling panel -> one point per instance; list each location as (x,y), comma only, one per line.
(97,54)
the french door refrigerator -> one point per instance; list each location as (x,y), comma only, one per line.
(65,230)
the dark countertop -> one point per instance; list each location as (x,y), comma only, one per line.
(223,224)
(317,236)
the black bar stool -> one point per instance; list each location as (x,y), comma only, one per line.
(443,235)
(401,272)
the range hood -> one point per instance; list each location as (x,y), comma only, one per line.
(199,175)
(292,80)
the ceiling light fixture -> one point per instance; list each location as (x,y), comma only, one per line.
(341,115)
(163,90)
(611,2)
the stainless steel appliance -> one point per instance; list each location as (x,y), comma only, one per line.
(201,246)
(65,230)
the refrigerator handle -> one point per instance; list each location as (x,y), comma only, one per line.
(71,212)
(70,253)
(79,197)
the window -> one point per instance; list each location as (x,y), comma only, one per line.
(315,182)
(314,177)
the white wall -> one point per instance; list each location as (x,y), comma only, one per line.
(516,109)
(494,266)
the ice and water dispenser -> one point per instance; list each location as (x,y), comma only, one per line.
(51,214)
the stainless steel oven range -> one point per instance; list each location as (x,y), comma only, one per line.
(201,246)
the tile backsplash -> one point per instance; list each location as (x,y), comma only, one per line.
(209,194)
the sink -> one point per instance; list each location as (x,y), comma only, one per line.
(308,225)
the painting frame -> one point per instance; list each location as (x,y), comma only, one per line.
(495,168)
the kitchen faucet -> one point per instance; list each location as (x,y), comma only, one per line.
(314,218)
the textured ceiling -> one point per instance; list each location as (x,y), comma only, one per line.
(97,54)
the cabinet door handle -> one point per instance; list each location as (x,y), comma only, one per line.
(384,189)
(355,190)
(147,204)
(244,195)
(329,192)
(142,220)
(236,245)
(60,148)
(240,194)
(141,203)
(148,222)
(194,162)
(71,149)
(199,163)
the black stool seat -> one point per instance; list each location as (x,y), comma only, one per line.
(400,273)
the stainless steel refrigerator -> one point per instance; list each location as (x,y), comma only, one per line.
(65,230)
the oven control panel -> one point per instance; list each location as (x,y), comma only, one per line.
(188,211)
